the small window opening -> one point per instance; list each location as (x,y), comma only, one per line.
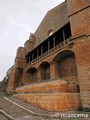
(50,32)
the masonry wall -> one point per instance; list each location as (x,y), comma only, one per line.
(83,65)
(50,95)
(55,96)
(43,87)
(53,21)
(79,15)
(53,101)
(17,73)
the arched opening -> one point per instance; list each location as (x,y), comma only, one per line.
(50,32)
(32,75)
(45,70)
(67,69)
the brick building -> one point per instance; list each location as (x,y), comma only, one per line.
(52,70)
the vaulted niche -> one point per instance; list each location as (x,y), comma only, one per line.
(32,75)
(67,69)
(45,70)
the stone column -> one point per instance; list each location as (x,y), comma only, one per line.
(29,57)
(37,52)
(39,77)
(41,50)
(48,45)
(54,41)
(52,70)
(32,56)
(63,35)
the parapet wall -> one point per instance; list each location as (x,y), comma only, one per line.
(56,85)
(57,101)
(50,95)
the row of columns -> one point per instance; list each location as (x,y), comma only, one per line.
(31,57)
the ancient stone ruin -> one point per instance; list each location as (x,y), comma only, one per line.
(52,70)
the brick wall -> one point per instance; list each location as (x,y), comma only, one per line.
(83,67)
(79,15)
(52,22)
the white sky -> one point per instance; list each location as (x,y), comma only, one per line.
(19,18)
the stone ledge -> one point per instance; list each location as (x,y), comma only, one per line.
(56,85)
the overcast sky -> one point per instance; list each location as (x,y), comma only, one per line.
(19,18)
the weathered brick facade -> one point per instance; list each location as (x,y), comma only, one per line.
(52,70)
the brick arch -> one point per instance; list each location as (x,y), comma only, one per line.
(63,53)
(66,68)
(32,75)
(44,70)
